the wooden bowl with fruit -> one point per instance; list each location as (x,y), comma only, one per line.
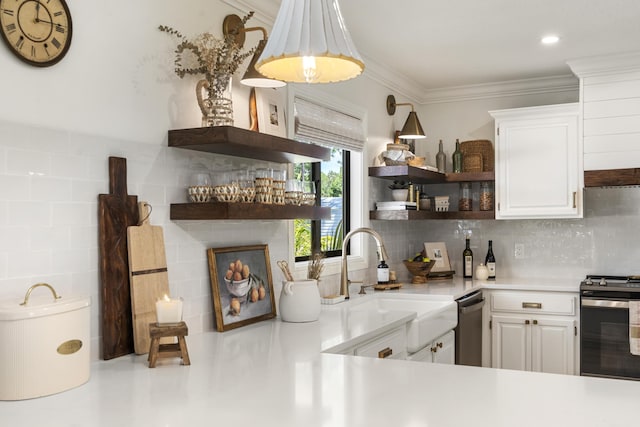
(419,267)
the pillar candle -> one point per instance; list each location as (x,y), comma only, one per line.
(169,310)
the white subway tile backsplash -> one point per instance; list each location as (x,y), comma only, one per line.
(45,188)
(28,163)
(76,214)
(51,238)
(29,263)
(29,213)
(15,187)
(66,165)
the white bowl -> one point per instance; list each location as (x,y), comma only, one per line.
(400,194)
(238,288)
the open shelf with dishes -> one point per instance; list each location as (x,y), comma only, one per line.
(237,142)
(422,176)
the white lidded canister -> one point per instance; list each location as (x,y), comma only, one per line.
(45,344)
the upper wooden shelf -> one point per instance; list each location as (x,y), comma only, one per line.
(242,211)
(238,142)
(423,176)
(612,177)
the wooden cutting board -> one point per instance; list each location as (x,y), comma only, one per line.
(116,211)
(147,274)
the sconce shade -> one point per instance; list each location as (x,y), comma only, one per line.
(310,43)
(253,78)
(412,128)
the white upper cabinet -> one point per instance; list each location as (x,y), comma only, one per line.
(539,171)
(610,99)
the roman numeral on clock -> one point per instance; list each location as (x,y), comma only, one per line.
(7,12)
(11,28)
(60,29)
(55,42)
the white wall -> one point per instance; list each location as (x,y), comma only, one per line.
(115,94)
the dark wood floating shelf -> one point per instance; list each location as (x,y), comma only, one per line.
(612,177)
(239,142)
(416,215)
(423,176)
(239,211)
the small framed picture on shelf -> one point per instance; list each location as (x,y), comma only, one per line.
(270,104)
(438,251)
(241,286)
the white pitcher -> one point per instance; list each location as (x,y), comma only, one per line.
(300,301)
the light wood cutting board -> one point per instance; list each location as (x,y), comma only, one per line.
(147,274)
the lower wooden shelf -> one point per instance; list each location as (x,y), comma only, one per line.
(238,211)
(407,215)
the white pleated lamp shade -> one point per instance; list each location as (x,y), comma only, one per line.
(310,43)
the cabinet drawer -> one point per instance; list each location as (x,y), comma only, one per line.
(534,302)
(392,346)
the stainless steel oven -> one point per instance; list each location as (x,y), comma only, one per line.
(604,318)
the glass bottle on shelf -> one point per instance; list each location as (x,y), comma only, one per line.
(457,158)
(441,160)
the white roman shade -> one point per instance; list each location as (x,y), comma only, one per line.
(321,125)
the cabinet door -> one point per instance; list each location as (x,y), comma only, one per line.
(538,163)
(553,345)
(446,349)
(510,343)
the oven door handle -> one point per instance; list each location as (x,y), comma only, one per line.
(605,303)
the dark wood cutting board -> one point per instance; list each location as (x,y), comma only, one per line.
(116,211)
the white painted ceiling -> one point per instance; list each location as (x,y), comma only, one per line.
(432,45)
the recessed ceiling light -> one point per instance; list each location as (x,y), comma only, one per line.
(550,39)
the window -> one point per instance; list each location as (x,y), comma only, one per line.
(344,133)
(332,186)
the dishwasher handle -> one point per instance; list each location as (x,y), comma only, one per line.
(471,308)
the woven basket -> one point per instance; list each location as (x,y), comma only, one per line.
(389,162)
(480,146)
(416,161)
(472,162)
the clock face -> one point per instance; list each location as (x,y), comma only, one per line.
(37,31)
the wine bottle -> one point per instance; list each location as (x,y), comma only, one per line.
(467,261)
(490,261)
(441,160)
(383,273)
(457,158)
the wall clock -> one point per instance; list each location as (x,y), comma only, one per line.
(36,31)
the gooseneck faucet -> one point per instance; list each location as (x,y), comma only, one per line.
(344,275)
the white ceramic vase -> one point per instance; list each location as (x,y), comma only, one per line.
(300,301)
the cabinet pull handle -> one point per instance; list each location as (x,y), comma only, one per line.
(434,349)
(531,305)
(575,199)
(384,353)
(526,322)
(535,322)
(439,345)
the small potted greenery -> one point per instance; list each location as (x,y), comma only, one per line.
(399,190)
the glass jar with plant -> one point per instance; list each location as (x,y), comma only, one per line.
(216,60)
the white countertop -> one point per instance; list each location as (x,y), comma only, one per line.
(275,374)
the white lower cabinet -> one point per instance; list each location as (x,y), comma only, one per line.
(440,350)
(392,345)
(534,331)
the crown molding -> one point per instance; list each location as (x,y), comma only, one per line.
(541,85)
(605,64)
(264,11)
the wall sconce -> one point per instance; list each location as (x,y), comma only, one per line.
(232,24)
(310,43)
(412,128)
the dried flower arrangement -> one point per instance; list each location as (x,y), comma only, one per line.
(315,266)
(215,59)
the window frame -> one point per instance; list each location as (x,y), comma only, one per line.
(358,186)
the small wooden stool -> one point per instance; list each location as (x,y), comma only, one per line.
(160,351)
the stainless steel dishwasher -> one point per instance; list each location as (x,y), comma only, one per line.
(469,330)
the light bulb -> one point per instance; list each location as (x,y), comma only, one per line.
(309,70)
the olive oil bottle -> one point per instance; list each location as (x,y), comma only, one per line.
(467,261)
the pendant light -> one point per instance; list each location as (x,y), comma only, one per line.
(412,128)
(310,43)
(232,24)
